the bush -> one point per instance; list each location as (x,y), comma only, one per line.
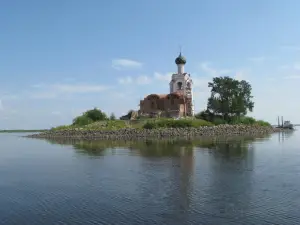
(244,120)
(170,123)
(108,125)
(201,115)
(218,121)
(95,115)
(82,120)
(112,116)
(262,123)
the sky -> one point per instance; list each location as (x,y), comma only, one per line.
(59,58)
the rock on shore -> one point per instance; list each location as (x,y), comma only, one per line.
(130,133)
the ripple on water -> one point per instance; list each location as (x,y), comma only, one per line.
(228,182)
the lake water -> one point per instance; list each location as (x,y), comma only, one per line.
(233,181)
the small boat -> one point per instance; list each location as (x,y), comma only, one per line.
(287,125)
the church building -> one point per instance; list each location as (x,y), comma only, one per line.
(177,103)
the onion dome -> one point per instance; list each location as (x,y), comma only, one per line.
(180,59)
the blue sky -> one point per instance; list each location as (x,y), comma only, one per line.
(61,57)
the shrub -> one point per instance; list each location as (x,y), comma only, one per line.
(218,121)
(109,125)
(95,115)
(63,127)
(262,123)
(170,123)
(82,120)
(201,115)
(112,116)
(244,120)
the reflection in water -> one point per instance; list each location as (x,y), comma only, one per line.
(284,135)
(230,168)
(206,181)
(226,146)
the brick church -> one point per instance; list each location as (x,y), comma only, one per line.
(177,103)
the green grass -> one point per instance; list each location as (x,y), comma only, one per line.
(108,125)
(158,123)
(171,123)
(246,120)
(100,125)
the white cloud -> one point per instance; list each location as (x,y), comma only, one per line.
(143,80)
(79,88)
(43,95)
(294,66)
(240,75)
(140,80)
(125,80)
(292,77)
(1,105)
(284,67)
(208,69)
(201,82)
(122,64)
(297,66)
(163,76)
(259,59)
(50,91)
(293,48)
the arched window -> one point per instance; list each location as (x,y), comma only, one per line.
(179,85)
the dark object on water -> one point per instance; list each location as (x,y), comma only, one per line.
(285,125)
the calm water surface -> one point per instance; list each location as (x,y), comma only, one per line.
(233,181)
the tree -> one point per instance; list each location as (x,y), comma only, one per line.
(229,97)
(112,116)
(95,114)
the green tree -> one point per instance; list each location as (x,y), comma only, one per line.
(112,116)
(229,97)
(96,115)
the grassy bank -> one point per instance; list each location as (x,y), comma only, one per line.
(156,124)
(138,124)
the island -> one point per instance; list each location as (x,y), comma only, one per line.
(172,115)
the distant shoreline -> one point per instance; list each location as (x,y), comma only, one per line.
(21,131)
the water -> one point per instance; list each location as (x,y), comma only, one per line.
(243,181)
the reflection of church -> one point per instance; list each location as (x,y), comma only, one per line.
(179,102)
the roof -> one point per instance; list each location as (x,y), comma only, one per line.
(180,59)
(162,96)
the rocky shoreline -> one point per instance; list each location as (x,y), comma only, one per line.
(131,133)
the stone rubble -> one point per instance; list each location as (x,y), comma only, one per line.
(131,133)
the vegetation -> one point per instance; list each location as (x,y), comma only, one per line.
(89,117)
(108,125)
(166,123)
(229,97)
(229,103)
(112,116)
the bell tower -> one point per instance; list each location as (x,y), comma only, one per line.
(182,83)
